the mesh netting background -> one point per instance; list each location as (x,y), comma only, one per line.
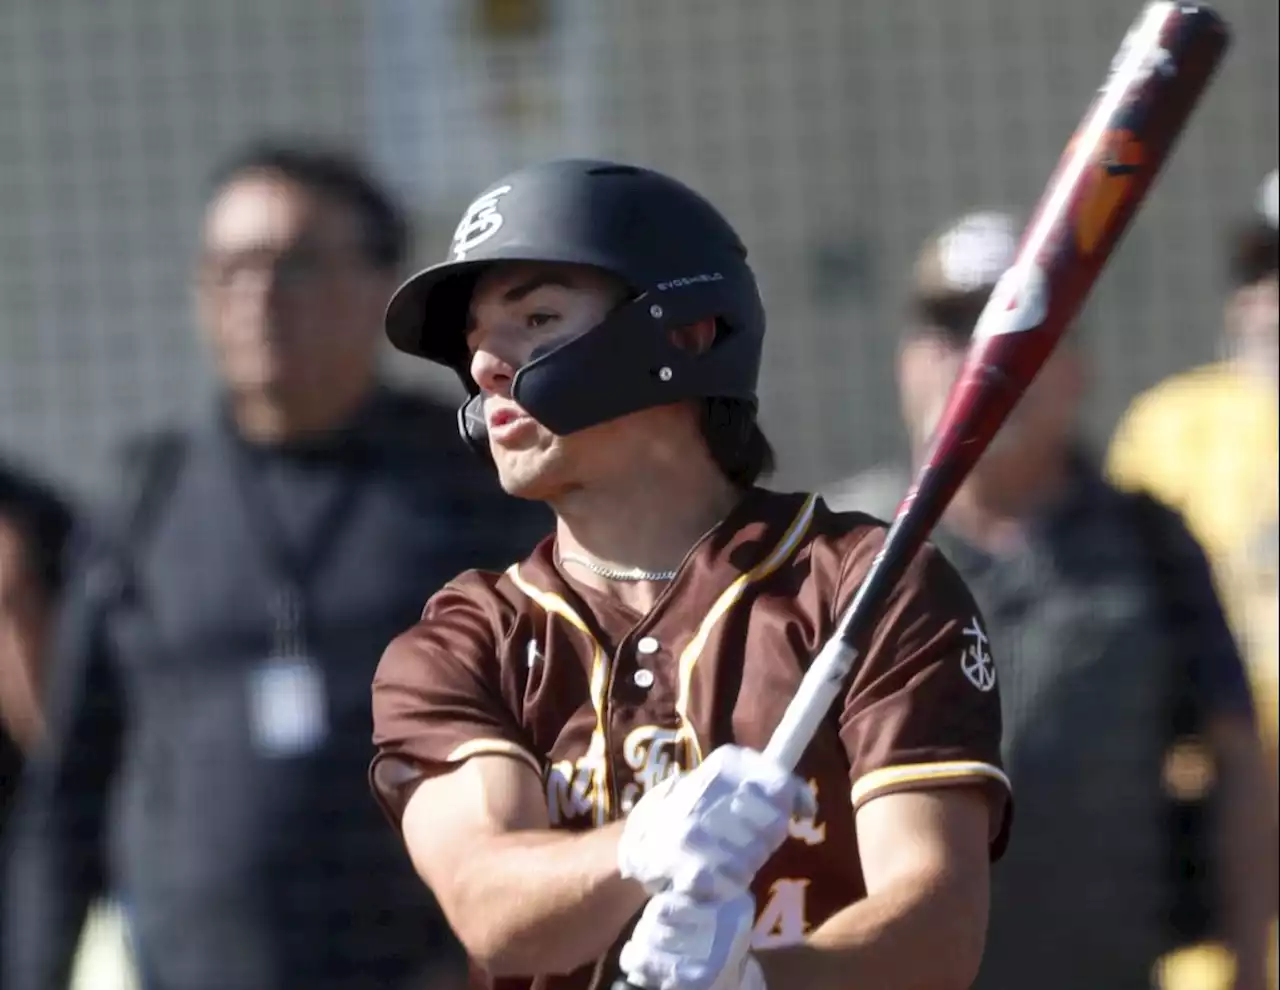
(836,134)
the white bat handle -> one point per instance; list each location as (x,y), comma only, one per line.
(823,682)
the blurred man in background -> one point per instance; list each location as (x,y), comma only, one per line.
(209,717)
(1207,442)
(1113,647)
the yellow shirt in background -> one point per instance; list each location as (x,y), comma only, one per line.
(1205,442)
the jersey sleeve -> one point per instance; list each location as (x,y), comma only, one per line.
(440,696)
(923,709)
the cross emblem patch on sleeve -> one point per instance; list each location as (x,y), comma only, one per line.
(976,661)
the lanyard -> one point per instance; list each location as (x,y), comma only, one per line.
(289,567)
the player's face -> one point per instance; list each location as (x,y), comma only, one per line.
(286,296)
(1253,322)
(516,308)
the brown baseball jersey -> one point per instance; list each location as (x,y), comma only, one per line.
(602,703)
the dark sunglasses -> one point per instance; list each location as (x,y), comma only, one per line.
(951,317)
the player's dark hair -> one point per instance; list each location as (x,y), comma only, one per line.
(335,175)
(737,444)
(44,522)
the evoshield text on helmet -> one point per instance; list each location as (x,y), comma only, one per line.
(680,259)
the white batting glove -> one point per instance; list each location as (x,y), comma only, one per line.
(708,833)
(683,944)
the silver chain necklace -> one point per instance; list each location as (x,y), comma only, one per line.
(615,573)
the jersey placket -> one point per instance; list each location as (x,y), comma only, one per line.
(700,642)
(601,679)
(653,703)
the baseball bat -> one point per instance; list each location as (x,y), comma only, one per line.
(1157,77)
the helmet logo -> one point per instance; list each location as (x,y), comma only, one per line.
(479,223)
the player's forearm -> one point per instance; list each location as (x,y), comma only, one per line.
(917,935)
(542,902)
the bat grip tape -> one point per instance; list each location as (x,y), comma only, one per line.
(822,684)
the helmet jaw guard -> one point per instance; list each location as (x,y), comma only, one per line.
(626,363)
(629,362)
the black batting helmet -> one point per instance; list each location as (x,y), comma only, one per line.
(679,257)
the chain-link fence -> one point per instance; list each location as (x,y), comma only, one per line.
(835,134)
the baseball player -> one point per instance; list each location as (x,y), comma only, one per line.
(576,741)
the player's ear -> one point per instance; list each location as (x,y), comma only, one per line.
(696,338)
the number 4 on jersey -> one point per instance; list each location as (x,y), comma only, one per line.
(784,920)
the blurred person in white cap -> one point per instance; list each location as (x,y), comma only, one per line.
(953,276)
(1113,651)
(1207,441)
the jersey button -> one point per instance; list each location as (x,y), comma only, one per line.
(647,645)
(643,679)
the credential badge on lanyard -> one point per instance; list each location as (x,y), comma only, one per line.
(288,700)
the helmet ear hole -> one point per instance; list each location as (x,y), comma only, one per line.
(695,338)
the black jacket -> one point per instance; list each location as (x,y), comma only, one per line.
(221,797)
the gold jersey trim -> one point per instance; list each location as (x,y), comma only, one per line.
(872,784)
(494,747)
(554,604)
(791,539)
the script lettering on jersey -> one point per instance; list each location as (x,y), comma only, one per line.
(806,829)
(652,755)
(576,788)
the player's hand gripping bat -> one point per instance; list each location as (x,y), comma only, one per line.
(1157,77)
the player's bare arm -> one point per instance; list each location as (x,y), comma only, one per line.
(522,898)
(923,922)
(526,899)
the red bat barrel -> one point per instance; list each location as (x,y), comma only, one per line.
(1163,67)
